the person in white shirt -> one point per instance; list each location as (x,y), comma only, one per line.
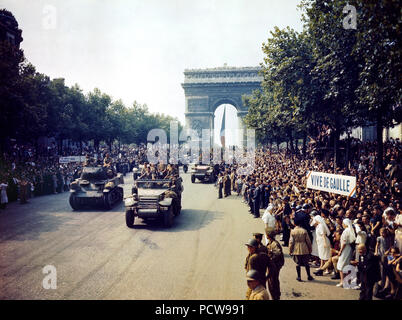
(361,236)
(269,219)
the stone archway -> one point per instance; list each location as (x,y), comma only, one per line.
(206,89)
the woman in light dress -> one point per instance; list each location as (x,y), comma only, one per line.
(3,195)
(345,253)
(321,237)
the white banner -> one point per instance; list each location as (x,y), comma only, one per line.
(64,160)
(333,183)
(71,159)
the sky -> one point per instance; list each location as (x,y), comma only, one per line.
(137,50)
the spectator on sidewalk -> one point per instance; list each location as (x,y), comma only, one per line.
(300,250)
(3,195)
(345,253)
(368,272)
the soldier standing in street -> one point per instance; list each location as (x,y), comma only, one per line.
(261,248)
(227,185)
(232,180)
(23,190)
(276,258)
(220,186)
(254,283)
(256,261)
(300,248)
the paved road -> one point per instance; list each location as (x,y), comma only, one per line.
(97,257)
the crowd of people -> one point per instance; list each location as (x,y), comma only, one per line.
(26,171)
(325,230)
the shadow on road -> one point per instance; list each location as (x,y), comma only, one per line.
(29,225)
(188,220)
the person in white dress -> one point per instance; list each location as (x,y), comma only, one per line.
(398,232)
(345,253)
(314,250)
(3,195)
(323,244)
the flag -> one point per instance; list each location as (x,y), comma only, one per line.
(222,134)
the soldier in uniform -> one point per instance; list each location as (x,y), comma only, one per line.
(107,162)
(255,285)
(23,190)
(276,258)
(89,161)
(232,180)
(220,186)
(257,261)
(226,184)
(171,193)
(261,248)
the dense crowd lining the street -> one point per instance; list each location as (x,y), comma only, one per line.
(339,228)
(27,173)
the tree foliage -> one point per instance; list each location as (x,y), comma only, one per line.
(329,74)
(32,105)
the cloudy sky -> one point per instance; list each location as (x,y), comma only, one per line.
(138,49)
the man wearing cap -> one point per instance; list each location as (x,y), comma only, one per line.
(300,248)
(261,248)
(257,261)
(287,210)
(250,196)
(257,200)
(276,258)
(302,218)
(255,286)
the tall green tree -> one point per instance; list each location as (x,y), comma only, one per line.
(380,81)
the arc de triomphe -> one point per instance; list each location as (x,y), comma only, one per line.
(207,89)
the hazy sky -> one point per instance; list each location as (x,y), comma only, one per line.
(138,49)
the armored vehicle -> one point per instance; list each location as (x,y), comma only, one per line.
(96,186)
(154,199)
(202,173)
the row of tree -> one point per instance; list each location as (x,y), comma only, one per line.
(332,73)
(32,105)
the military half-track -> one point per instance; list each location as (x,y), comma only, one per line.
(202,173)
(154,199)
(96,187)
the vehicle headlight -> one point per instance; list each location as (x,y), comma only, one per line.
(129,202)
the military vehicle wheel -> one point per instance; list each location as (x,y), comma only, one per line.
(73,202)
(107,200)
(121,194)
(168,218)
(192,179)
(176,210)
(130,218)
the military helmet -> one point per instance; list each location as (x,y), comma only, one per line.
(253,275)
(252,243)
